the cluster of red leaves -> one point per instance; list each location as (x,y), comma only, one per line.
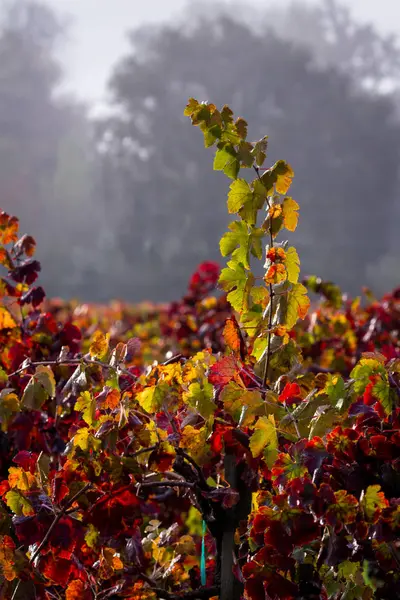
(103,456)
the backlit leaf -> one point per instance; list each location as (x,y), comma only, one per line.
(99,345)
(226,160)
(238,283)
(9,406)
(265,439)
(41,386)
(233,337)
(6,319)
(373,502)
(84,440)
(18,503)
(152,397)
(260,151)
(240,241)
(292,265)
(200,397)
(7,558)
(298,304)
(78,590)
(290,213)
(87,405)
(8,228)
(240,193)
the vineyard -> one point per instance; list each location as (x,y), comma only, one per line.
(242,442)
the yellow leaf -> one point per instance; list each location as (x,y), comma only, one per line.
(152,397)
(18,503)
(292,265)
(265,439)
(171,373)
(87,405)
(99,345)
(6,320)
(194,441)
(20,479)
(284,175)
(91,536)
(9,405)
(85,441)
(290,213)
(298,304)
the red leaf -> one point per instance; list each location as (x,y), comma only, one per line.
(291,394)
(223,371)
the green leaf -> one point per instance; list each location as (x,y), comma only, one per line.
(265,439)
(373,502)
(362,372)
(87,405)
(18,503)
(240,403)
(260,151)
(235,280)
(191,107)
(240,193)
(152,397)
(40,387)
(200,397)
(384,394)
(249,210)
(292,265)
(240,241)
(226,160)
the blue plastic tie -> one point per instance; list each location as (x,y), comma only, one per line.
(203,556)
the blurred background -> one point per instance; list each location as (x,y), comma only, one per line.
(101,167)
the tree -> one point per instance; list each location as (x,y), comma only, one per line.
(336,39)
(320,121)
(47,152)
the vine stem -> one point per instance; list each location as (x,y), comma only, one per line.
(271,296)
(72,362)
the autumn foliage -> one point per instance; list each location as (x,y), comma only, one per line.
(244,444)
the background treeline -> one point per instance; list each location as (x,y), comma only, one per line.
(124,206)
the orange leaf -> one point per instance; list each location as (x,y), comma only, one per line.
(8,228)
(112,399)
(20,479)
(233,337)
(7,557)
(77,590)
(6,320)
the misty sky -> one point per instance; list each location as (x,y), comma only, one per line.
(97,32)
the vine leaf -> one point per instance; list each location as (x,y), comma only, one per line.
(292,265)
(226,160)
(290,213)
(265,439)
(298,304)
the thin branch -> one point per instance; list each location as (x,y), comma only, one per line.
(16,589)
(73,362)
(57,519)
(182,484)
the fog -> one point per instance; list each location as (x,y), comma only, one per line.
(102,169)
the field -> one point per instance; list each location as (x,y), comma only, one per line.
(241,442)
